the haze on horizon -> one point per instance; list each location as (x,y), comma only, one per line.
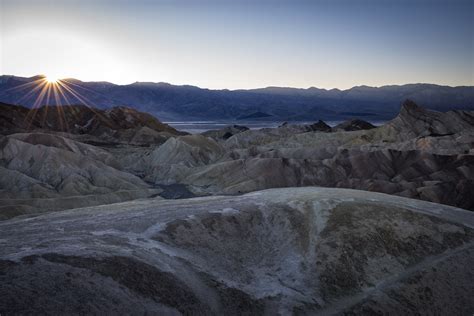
(241,44)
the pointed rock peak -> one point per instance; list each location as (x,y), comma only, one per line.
(411,110)
(320,126)
(409,105)
(423,122)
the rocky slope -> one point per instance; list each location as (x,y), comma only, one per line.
(281,251)
(119,124)
(420,154)
(55,158)
(225,132)
(42,172)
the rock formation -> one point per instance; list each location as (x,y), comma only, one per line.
(42,172)
(353,125)
(320,126)
(281,251)
(420,154)
(118,123)
(226,132)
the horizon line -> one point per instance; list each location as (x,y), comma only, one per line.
(242,89)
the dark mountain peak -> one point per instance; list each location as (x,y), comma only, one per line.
(20,80)
(410,111)
(409,106)
(37,77)
(320,126)
(353,125)
(363,87)
(150,83)
(76,81)
(255,115)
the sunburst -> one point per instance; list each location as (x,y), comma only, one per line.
(52,79)
(60,91)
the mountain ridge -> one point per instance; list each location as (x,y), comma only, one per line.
(187,102)
(239,89)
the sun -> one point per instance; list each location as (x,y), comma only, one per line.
(52,79)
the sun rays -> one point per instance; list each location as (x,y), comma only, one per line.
(51,92)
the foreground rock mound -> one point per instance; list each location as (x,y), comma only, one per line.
(280,251)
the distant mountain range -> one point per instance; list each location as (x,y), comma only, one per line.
(181,103)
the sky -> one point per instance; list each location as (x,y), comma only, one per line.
(241,44)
